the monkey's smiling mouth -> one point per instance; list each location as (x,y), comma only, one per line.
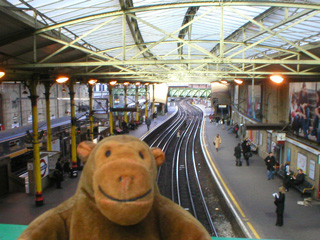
(124,200)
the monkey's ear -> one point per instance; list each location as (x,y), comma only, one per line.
(158,155)
(84,149)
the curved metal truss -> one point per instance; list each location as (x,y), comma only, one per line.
(175,41)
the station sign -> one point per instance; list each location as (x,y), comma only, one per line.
(222,106)
(44,166)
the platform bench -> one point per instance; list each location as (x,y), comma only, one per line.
(304,188)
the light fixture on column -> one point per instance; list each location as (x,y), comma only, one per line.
(92,81)
(137,83)
(112,83)
(224,81)
(146,84)
(63,88)
(276,78)
(238,81)
(62,79)
(2,73)
(25,91)
(126,83)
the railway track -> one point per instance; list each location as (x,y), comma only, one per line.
(178,176)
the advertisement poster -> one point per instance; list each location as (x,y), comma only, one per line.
(288,154)
(236,95)
(304,108)
(302,162)
(312,169)
(256,114)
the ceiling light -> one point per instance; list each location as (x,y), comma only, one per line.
(2,73)
(238,81)
(224,81)
(113,82)
(126,83)
(137,83)
(92,81)
(62,79)
(146,84)
(276,78)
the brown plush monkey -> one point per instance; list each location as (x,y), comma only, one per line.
(117,198)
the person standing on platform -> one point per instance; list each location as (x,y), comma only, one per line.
(237,154)
(217,142)
(148,122)
(246,151)
(279,202)
(154,115)
(236,129)
(270,162)
(222,122)
(58,174)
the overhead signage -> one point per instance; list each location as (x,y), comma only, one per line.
(222,106)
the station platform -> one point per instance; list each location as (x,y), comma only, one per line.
(17,210)
(247,188)
(250,192)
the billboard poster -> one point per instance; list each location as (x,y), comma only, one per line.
(304,108)
(302,162)
(236,95)
(255,110)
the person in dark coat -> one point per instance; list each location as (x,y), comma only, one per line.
(247,152)
(236,129)
(270,163)
(58,174)
(297,180)
(148,122)
(279,202)
(237,154)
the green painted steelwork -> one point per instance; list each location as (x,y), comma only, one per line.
(189,92)
(130,91)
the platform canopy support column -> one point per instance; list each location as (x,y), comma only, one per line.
(47,86)
(90,89)
(110,106)
(137,101)
(125,101)
(153,99)
(146,106)
(73,130)
(36,148)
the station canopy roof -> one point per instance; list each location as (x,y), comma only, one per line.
(159,40)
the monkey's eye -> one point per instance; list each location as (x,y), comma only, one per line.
(141,155)
(108,153)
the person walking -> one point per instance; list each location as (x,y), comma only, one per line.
(279,202)
(148,122)
(270,162)
(217,142)
(237,154)
(247,152)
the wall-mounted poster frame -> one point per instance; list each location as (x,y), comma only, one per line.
(302,162)
(312,169)
(288,154)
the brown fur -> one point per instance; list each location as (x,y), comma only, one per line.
(117,198)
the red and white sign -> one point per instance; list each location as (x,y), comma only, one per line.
(44,166)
